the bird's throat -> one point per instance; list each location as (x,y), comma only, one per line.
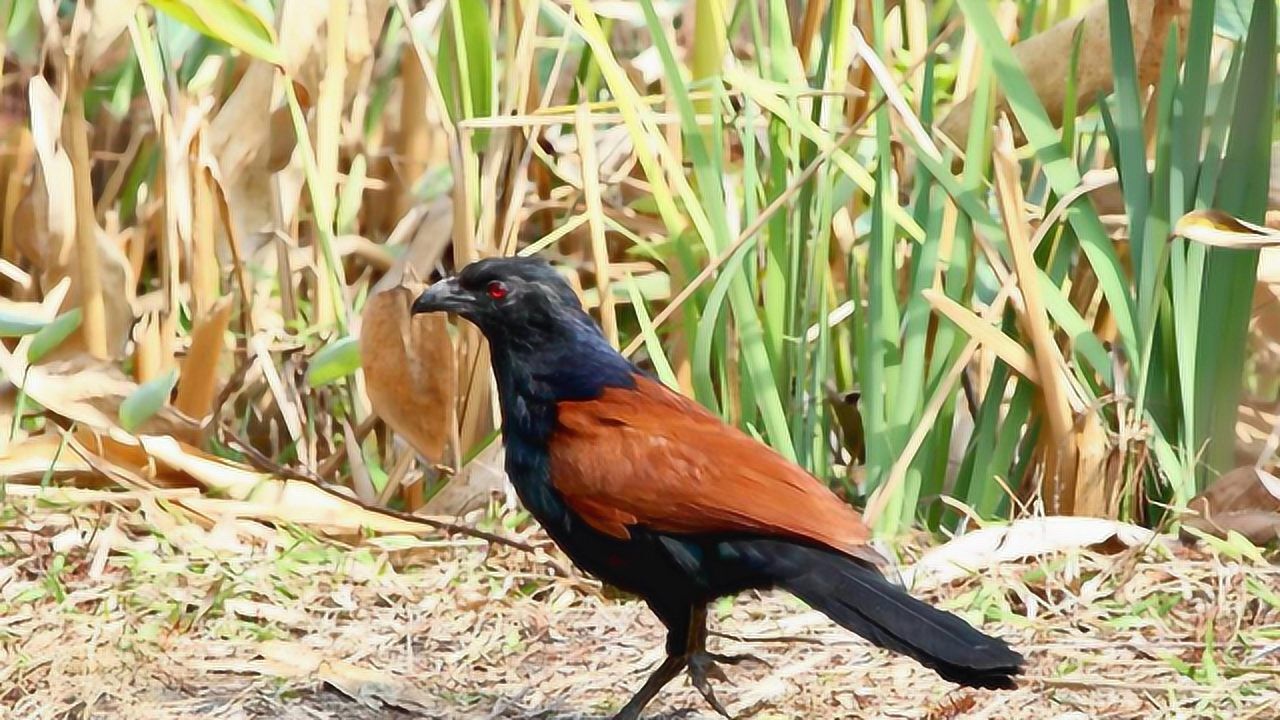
(531,384)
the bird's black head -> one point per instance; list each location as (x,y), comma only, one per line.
(536,327)
(508,299)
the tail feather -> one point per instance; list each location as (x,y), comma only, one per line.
(858,597)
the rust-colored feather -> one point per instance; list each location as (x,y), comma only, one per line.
(649,457)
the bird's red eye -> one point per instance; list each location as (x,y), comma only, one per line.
(497,290)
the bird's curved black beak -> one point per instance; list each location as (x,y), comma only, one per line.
(444,296)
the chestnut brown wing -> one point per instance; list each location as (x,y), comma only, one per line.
(651,458)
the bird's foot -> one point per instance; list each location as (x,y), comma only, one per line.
(702,665)
(739,659)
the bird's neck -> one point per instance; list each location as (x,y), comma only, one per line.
(531,382)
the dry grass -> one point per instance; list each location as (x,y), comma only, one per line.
(109,614)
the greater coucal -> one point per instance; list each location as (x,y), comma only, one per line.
(649,492)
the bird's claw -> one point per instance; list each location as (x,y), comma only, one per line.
(739,659)
(703,665)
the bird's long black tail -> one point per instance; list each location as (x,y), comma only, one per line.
(857,596)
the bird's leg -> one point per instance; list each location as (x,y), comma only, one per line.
(702,664)
(669,668)
(686,646)
(679,630)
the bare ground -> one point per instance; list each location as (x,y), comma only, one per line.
(132,614)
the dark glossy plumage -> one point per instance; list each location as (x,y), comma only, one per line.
(648,492)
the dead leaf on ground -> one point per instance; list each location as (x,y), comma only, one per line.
(35,457)
(368,686)
(78,387)
(269,498)
(1246,500)
(985,548)
(87,391)
(231,490)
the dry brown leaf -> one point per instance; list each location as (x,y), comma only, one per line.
(51,247)
(266,497)
(199,382)
(16,200)
(426,228)
(55,170)
(373,254)
(146,348)
(85,496)
(409,370)
(368,686)
(88,273)
(204,268)
(122,449)
(266,612)
(243,157)
(364,25)
(87,391)
(419,142)
(985,548)
(78,392)
(1216,228)
(1094,486)
(239,151)
(361,480)
(1045,58)
(33,458)
(1246,500)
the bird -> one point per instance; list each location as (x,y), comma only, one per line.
(650,492)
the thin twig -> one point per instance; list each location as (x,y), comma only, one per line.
(259,460)
(760,639)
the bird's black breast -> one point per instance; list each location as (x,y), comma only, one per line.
(663,568)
